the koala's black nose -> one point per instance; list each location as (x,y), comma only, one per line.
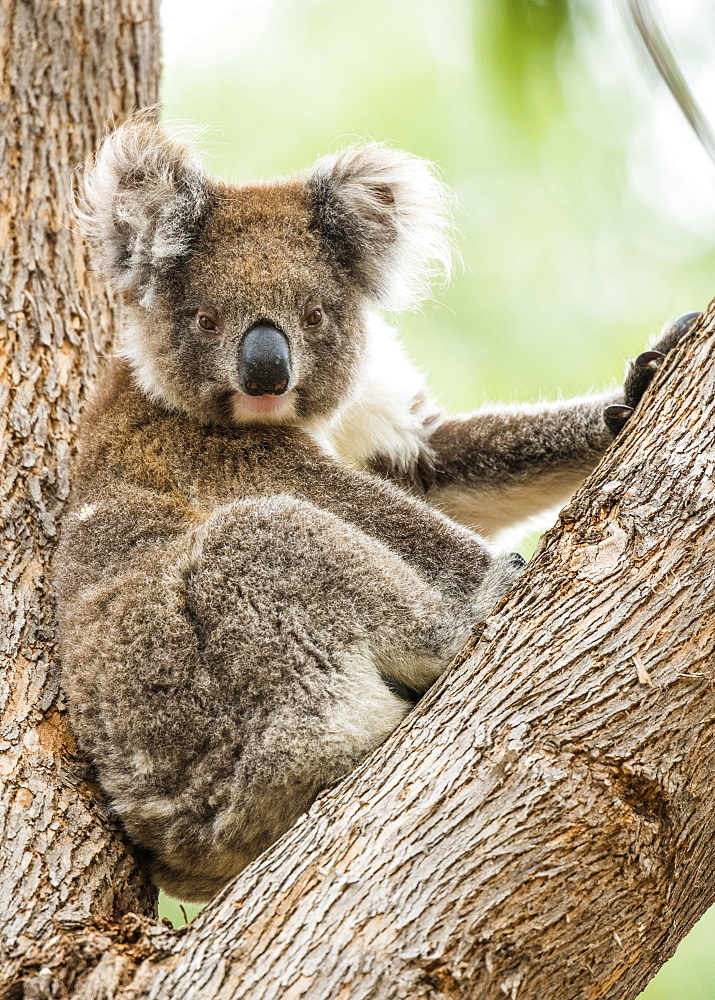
(264,361)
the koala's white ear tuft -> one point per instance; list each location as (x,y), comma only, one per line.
(386,217)
(142,198)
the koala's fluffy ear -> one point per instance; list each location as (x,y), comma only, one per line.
(386,217)
(142,197)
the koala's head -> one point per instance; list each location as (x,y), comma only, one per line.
(249,303)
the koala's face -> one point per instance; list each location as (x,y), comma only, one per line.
(259,322)
(248,304)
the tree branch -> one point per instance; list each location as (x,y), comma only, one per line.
(541,825)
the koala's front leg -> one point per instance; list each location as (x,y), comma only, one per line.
(496,467)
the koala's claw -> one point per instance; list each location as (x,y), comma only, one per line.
(616,416)
(641,371)
(650,359)
(676,331)
(640,375)
(516,560)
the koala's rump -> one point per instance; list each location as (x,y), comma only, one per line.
(220,681)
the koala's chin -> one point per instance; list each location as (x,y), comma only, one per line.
(266,409)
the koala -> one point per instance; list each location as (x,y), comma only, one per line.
(276,542)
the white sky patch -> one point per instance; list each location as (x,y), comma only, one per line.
(227,28)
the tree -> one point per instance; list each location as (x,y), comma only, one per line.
(540,826)
(62,859)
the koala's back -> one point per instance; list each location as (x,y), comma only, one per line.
(226,638)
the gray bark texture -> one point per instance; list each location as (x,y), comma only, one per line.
(65,68)
(541,826)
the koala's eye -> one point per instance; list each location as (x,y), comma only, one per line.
(207,323)
(313,319)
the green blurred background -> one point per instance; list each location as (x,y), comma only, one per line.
(586,208)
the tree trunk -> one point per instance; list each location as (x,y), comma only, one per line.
(539,827)
(67,66)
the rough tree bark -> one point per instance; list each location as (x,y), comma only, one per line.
(66,67)
(540,826)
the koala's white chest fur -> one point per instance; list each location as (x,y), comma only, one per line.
(386,413)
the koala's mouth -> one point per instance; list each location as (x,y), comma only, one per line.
(265,373)
(266,409)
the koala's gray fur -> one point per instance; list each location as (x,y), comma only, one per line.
(254,589)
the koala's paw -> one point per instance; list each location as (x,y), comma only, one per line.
(642,369)
(497,580)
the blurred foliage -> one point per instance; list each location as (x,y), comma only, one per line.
(516,45)
(568,268)
(177,912)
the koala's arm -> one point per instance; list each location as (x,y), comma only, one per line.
(501,465)
(495,468)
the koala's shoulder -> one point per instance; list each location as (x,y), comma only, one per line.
(123,435)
